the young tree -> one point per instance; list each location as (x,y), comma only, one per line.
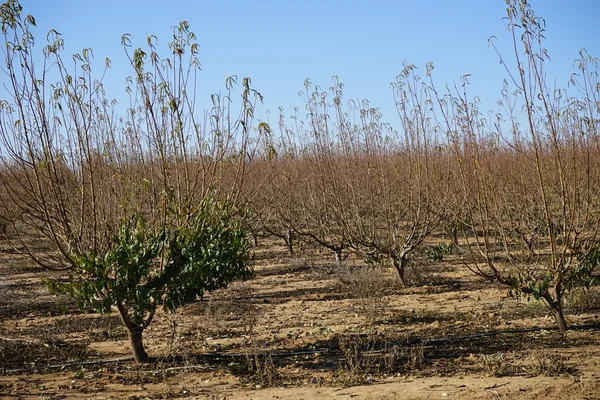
(401,190)
(312,194)
(364,185)
(143,209)
(170,266)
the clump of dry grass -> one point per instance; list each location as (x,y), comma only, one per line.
(364,358)
(495,364)
(543,362)
(260,368)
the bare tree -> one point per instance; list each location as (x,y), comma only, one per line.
(530,194)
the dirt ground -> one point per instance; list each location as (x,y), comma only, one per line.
(303,328)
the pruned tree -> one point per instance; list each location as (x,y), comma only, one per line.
(530,192)
(364,186)
(313,185)
(400,193)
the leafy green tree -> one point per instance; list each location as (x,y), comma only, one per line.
(148,267)
(141,207)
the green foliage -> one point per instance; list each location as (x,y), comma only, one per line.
(529,285)
(207,252)
(580,271)
(586,271)
(117,277)
(168,266)
(439,251)
(376,259)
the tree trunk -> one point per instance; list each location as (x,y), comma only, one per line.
(289,242)
(400,266)
(560,318)
(338,256)
(556,307)
(135,335)
(454,236)
(137,345)
(456,248)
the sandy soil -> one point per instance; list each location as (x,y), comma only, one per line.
(304,329)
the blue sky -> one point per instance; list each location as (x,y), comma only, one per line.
(280,43)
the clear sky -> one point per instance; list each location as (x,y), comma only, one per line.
(280,43)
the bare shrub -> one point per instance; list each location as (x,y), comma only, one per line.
(416,357)
(423,272)
(366,358)
(582,300)
(230,311)
(367,285)
(261,370)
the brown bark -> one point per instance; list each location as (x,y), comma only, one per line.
(560,318)
(556,307)
(289,242)
(400,266)
(135,336)
(338,256)
(137,345)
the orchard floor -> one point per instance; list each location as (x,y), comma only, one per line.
(303,328)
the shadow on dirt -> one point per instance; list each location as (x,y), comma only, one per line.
(15,354)
(389,352)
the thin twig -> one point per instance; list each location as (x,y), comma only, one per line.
(495,385)
(16,340)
